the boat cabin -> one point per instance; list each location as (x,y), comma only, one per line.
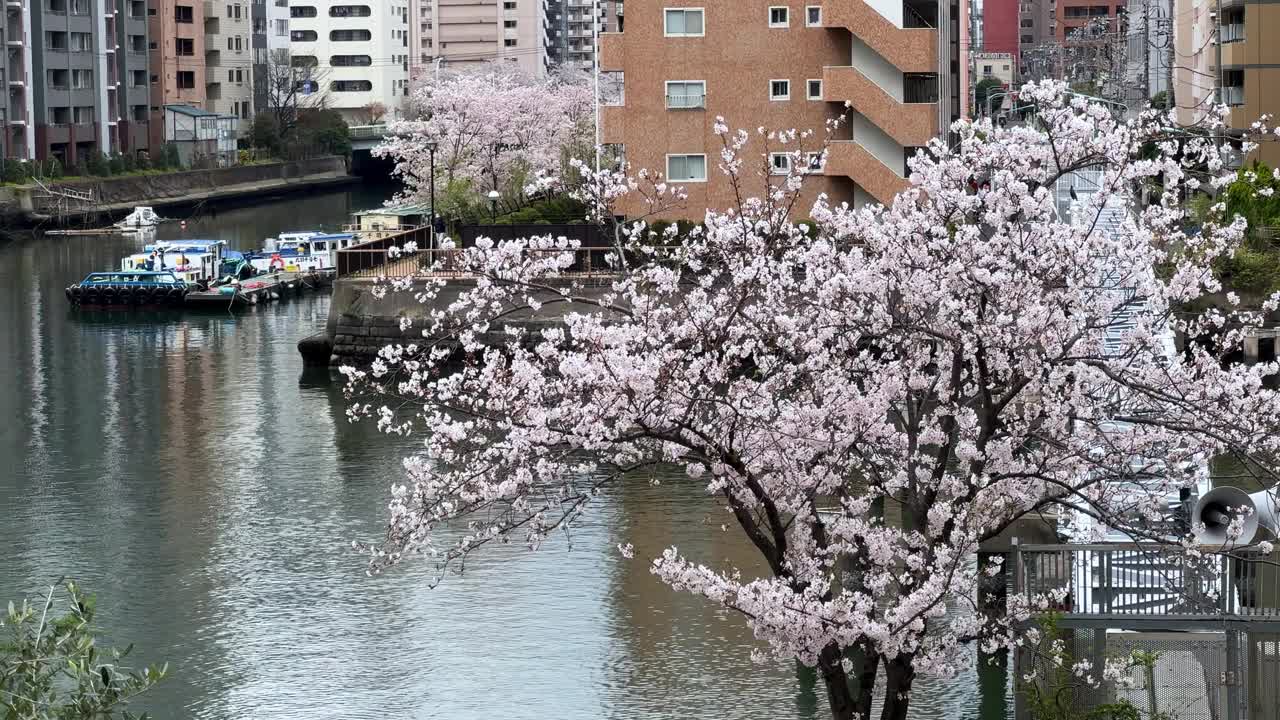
(130,278)
(192,261)
(381,222)
(302,252)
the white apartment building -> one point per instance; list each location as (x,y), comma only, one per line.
(457,33)
(17,95)
(360,49)
(228,55)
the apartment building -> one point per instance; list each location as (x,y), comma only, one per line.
(129,87)
(1000,26)
(17,99)
(360,52)
(1250,68)
(270,39)
(229,58)
(1071,15)
(176,58)
(461,33)
(70,73)
(998,66)
(785,64)
(1036,25)
(571,28)
(1147,53)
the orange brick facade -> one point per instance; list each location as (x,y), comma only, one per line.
(878,74)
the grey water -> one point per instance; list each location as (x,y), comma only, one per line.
(187,470)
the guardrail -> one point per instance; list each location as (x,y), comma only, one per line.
(1148,580)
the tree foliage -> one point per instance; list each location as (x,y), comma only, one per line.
(957,357)
(51,667)
(494,127)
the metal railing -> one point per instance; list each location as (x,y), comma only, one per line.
(694,100)
(1147,580)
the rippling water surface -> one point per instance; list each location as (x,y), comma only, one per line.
(187,470)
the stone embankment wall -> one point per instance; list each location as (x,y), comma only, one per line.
(112,194)
(360,323)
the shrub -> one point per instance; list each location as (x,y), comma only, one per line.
(97,165)
(52,667)
(128,162)
(116,164)
(53,168)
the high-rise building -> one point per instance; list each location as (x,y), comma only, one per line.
(459,33)
(1036,25)
(570,29)
(893,67)
(1074,14)
(270,45)
(17,101)
(360,52)
(1147,51)
(229,59)
(1249,71)
(70,73)
(129,84)
(177,58)
(1000,26)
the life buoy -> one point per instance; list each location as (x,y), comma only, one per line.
(276,264)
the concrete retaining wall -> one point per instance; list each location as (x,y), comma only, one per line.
(361,324)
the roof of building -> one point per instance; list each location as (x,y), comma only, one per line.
(190,110)
(399,210)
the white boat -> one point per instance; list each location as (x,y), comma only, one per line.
(141,217)
(195,262)
(306,252)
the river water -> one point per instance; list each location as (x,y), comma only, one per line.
(188,471)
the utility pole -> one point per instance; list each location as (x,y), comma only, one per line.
(1217,50)
(1146,53)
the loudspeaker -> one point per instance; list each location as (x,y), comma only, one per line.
(1218,506)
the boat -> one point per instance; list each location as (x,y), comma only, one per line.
(128,288)
(195,262)
(142,217)
(301,252)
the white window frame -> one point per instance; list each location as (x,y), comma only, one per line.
(773,163)
(667,91)
(809,157)
(780,98)
(807,10)
(666,32)
(784,8)
(808,89)
(704,167)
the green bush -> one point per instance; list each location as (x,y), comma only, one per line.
(97,165)
(128,162)
(116,164)
(51,666)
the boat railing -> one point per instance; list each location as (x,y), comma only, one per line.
(1147,581)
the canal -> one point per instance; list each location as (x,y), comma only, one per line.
(190,473)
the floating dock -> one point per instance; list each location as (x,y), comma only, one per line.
(259,289)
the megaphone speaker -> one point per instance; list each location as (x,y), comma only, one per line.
(1221,505)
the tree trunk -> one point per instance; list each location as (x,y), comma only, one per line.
(870,664)
(837,680)
(899,676)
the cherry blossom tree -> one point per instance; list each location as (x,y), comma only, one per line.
(494,127)
(955,356)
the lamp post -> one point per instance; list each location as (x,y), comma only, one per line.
(431,152)
(493,205)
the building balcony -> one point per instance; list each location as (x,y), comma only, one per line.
(1233,53)
(909,124)
(908,49)
(847,158)
(13,4)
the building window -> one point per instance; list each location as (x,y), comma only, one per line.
(779,16)
(185,47)
(814,90)
(508,24)
(686,94)
(813,162)
(687,168)
(183,14)
(350,11)
(684,22)
(1027,22)
(1026,40)
(186,79)
(509,5)
(303,36)
(351,86)
(298,11)
(509,42)
(350,35)
(779,90)
(779,163)
(986,69)
(813,15)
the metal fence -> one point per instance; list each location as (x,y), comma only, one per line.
(1137,579)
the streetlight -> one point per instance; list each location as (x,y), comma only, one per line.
(431,150)
(493,205)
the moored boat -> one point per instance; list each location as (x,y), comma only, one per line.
(128,288)
(195,262)
(301,252)
(141,217)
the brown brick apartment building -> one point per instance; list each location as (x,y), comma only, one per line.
(177,58)
(784,64)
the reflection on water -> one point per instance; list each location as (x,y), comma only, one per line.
(186,469)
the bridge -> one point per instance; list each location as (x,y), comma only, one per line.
(367,137)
